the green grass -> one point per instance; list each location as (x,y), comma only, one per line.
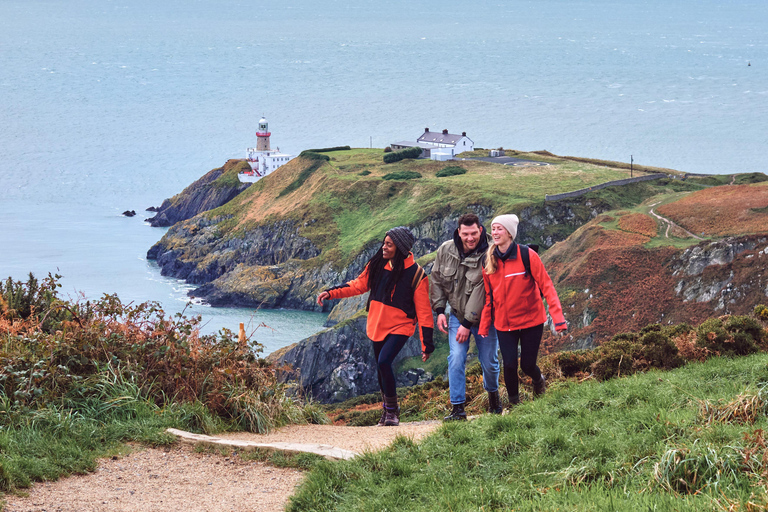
(590,446)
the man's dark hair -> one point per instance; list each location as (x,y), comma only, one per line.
(469,219)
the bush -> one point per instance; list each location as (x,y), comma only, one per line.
(396,156)
(736,336)
(364,173)
(761,312)
(402,175)
(314,155)
(574,362)
(453,170)
(326,150)
(387,149)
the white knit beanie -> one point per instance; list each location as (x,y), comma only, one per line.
(509,221)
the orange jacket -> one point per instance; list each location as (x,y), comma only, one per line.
(512,298)
(398,313)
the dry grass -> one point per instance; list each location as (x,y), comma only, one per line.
(722,211)
(639,223)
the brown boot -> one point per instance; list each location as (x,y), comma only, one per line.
(391,411)
(540,387)
(383,412)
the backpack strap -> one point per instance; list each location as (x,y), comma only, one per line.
(418,277)
(526,257)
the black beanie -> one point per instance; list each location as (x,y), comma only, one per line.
(403,239)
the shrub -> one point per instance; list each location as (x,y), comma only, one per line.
(396,156)
(326,150)
(364,173)
(453,170)
(574,362)
(402,175)
(387,149)
(738,335)
(659,351)
(761,312)
(314,155)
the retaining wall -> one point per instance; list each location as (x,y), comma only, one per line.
(627,181)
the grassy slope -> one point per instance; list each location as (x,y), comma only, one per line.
(342,210)
(591,446)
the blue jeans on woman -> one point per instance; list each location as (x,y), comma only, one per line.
(487,353)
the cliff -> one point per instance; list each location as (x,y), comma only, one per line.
(312,224)
(214,189)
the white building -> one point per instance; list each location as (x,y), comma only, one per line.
(262,159)
(438,145)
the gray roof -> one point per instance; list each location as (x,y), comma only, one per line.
(440,138)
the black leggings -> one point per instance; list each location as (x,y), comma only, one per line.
(529,339)
(385,353)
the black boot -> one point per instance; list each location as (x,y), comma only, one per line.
(383,412)
(494,404)
(391,411)
(540,387)
(457,413)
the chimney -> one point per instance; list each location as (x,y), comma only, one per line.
(445,132)
(426,130)
(463,134)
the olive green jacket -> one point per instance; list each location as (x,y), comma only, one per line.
(459,281)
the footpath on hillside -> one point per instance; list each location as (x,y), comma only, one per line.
(184,478)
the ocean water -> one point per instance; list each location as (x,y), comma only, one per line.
(113,105)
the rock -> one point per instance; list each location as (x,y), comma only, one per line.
(129,213)
(338,364)
(205,194)
(152,209)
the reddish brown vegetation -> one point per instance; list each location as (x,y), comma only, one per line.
(639,223)
(722,211)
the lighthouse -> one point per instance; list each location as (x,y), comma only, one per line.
(262,159)
(262,136)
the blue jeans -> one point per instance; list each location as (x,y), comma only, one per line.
(487,353)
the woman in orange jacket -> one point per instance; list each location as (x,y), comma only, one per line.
(513,304)
(399,296)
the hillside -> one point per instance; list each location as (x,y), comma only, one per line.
(669,250)
(626,269)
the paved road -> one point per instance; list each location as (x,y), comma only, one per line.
(508,160)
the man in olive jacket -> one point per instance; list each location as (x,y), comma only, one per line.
(457,279)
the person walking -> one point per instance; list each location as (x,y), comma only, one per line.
(457,279)
(399,297)
(515,281)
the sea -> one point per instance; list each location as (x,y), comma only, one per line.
(114,105)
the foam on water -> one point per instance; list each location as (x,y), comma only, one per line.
(118,105)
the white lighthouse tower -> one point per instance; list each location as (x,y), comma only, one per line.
(262,159)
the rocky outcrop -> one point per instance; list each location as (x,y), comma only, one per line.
(338,364)
(726,283)
(214,189)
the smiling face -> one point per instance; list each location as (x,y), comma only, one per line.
(470,237)
(388,248)
(501,237)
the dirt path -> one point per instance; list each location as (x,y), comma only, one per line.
(670,224)
(179,478)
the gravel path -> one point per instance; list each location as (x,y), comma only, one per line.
(178,478)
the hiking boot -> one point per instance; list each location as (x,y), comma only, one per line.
(512,402)
(457,413)
(383,412)
(494,404)
(540,387)
(391,412)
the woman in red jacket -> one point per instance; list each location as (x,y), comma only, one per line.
(399,296)
(513,303)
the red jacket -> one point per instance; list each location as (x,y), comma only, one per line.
(512,299)
(398,313)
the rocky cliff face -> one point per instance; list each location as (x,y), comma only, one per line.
(273,266)
(338,364)
(214,189)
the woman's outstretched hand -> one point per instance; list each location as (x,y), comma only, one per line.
(323,296)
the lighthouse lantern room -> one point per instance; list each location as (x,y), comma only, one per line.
(262,159)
